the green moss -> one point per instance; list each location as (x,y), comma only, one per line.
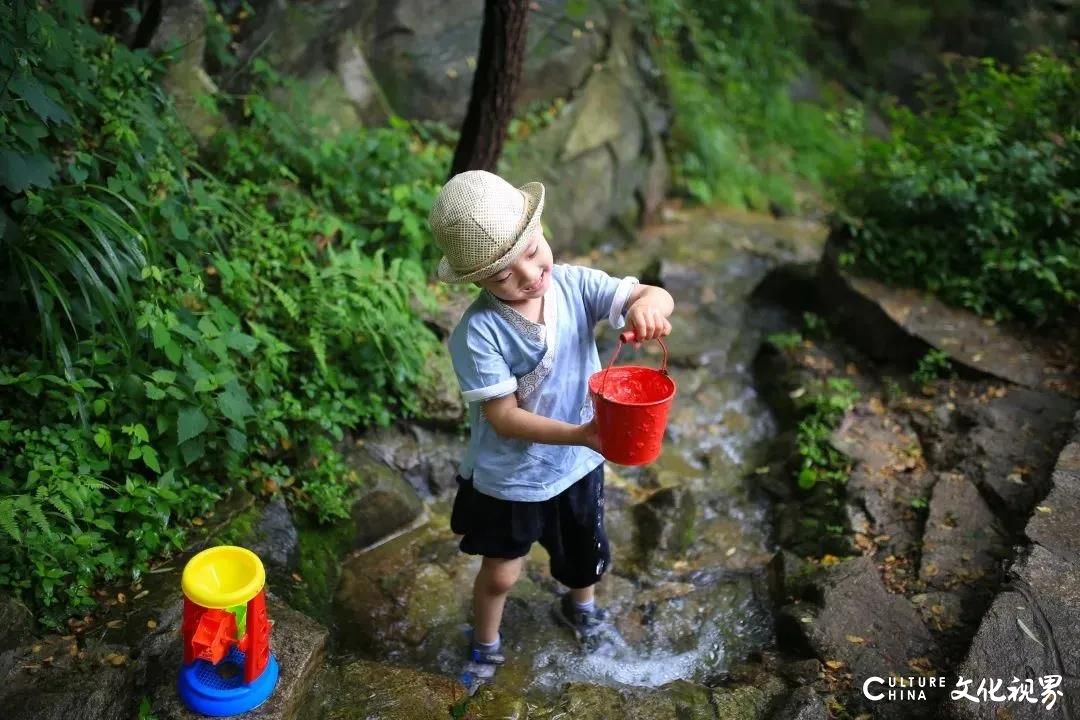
(241,529)
(319,566)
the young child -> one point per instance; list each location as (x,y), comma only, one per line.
(523,353)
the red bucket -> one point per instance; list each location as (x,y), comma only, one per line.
(632,404)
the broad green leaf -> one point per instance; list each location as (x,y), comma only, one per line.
(236,439)
(19,172)
(190,423)
(234,404)
(150,457)
(165,377)
(33,93)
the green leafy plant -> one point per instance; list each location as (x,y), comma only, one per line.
(974,197)
(786,340)
(823,409)
(737,135)
(934,365)
(216,324)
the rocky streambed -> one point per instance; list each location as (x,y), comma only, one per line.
(735,593)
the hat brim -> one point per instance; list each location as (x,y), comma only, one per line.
(534,208)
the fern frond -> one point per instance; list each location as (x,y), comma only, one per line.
(38,516)
(62,507)
(284,298)
(7,519)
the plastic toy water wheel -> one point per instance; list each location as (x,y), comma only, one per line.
(223,577)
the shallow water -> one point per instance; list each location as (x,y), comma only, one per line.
(688,600)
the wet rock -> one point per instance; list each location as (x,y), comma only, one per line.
(16,629)
(804,704)
(665,522)
(1016,436)
(275,539)
(440,401)
(902,323)
(386,502)
(944,613)
(427,459)
(679,699)
(1054,523)
(962,542)
(182,32)
(802,672)
(391,596)
(748,702)
(858,622)
(889,473)
(94,692)
(388,692)
(1031,631)
(790,577)
(298,642)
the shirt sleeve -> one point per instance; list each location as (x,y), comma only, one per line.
(481,369)
(605,296)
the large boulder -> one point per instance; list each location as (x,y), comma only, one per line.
(902,324)
(424,52)
(1054,523)
(889,472)
(365,689)
(860,626)
(601,153)
(426,459)
(16,629)
(1031,633)
(181,32)
(963,541)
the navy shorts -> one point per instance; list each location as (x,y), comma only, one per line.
(570,526)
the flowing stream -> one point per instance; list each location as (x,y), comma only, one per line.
(689,534)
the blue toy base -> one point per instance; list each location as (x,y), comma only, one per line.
(204,690)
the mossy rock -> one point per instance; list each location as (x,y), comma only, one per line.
(387,692)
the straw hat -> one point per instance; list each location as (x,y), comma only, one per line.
(482,224)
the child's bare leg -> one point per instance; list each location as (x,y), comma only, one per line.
(492,585)
(582,595)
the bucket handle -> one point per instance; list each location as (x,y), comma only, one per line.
(628,337)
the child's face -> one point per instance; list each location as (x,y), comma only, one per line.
(527,278)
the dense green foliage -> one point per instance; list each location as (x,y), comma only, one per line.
(182,323)
(738,137)
(977,196)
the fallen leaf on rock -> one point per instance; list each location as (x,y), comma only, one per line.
(1044,509)
(835,664)
(151,624)
(113,624)
(116,659)
(829,560)
(1027,630)
(855,639)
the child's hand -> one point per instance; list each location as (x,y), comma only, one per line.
(590,435)
(648,321)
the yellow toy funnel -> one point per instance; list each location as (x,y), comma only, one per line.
(223,577)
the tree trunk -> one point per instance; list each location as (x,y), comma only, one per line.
(495,85)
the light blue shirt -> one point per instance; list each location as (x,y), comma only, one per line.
(497,351)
